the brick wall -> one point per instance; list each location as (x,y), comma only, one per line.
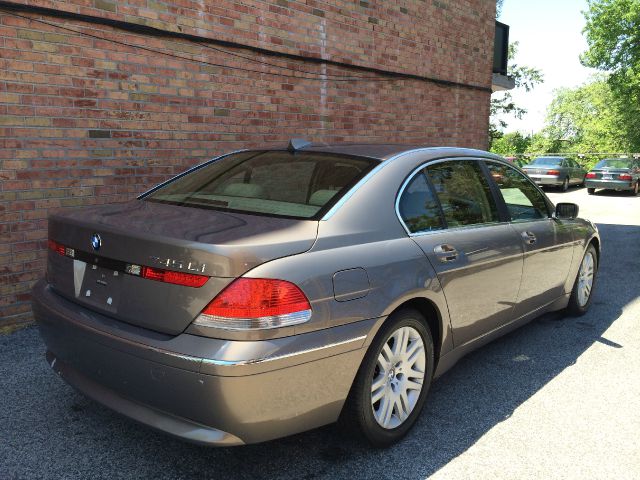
(86,121)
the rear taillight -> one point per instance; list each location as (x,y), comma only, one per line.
(553,172)
(177,278)
(60,249)
(624,176)
(256,303)
(590,175)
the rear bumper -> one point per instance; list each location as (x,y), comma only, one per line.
(208,391)
(547,179)
(609,184)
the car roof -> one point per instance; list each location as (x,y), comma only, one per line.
(385,151)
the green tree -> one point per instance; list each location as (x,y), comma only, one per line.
(511,144)
(584,119)
(502,103)
(612,31)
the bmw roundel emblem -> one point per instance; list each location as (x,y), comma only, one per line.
(96,241)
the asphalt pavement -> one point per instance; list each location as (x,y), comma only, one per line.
(558,398)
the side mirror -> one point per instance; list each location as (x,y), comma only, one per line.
(566,211)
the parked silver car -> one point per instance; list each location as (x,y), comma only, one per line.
(614,174)
(555,171)
(268,292)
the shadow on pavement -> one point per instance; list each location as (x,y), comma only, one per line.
(62,434)
(613,193)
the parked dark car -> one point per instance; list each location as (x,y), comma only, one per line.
(268,292)
(614,174)
(555,171)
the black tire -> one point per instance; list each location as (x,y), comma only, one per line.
(565,185)
(575,307)
(357,416)
(591,191)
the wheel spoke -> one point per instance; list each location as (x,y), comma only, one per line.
(385,411)
(415,374)
(413,385)
(415,348)
(402,404)
(377,394)
(400,342)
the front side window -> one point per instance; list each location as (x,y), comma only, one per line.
(524,201)
(463,192)
(418,206)
(278,183)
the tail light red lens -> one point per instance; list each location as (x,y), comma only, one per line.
(256,303)
(553,172)
(590,175)
(60,249)
(625,176)
(177,278)
(56,247)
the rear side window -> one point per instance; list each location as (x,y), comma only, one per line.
(277,183)
(463,192)
(419,207)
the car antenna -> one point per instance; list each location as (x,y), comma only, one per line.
(297,144)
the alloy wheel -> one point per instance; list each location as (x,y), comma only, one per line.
(585,278)
(398,377)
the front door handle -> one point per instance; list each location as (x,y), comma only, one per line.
(445,252)
(529,238)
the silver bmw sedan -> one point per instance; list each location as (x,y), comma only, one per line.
(272,291)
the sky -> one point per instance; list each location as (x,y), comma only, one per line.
(550,37)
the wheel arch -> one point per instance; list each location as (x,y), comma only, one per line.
(431,313)
(595,241)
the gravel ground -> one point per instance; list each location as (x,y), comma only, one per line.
(559,398)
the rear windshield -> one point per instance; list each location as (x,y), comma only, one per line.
(614,163)
(275,183)
(554,162)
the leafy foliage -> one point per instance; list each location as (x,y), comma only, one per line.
(613,35)
(587,119)
(511,144)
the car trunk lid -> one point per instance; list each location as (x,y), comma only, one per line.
(607,173)
(215,244)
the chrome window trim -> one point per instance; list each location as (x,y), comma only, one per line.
(413,173)
(456,229)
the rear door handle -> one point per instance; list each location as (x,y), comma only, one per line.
(445,252)
(529,238)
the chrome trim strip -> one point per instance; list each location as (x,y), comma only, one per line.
(229,363)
